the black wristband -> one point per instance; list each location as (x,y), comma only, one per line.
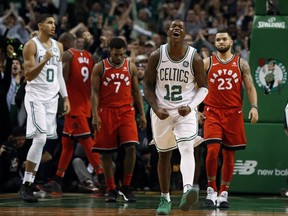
(254,106)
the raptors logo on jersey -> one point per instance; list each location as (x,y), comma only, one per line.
(116,85)
(224,83)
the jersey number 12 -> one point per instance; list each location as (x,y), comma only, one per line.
(173,93)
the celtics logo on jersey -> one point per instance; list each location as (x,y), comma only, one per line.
(270,75)
(186,64)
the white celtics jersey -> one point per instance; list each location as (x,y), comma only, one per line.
(175,79)
(45,86)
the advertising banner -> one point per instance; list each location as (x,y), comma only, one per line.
(263,166)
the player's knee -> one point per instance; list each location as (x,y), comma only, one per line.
(228,156)
(186,147)
(35,152)
(40,140)
(213,150)
(130,149)
(106,157)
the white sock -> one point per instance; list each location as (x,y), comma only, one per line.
(33,178)
(28,177)
(167,196)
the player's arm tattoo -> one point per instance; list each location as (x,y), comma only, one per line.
(246,73)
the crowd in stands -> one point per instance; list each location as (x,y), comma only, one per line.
(143,25)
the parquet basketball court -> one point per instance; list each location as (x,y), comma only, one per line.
(83,204)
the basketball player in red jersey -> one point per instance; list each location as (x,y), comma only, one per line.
(77,69)
(224,125)
(114,86)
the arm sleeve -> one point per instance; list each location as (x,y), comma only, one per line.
(198,98)
(63,90)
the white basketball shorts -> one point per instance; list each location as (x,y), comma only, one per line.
(41,116)
(169,132)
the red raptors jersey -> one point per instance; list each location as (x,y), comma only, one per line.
(116,85)
(79,84)
(224,83)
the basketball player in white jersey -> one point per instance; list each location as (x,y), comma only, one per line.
(43,72)
(169,86)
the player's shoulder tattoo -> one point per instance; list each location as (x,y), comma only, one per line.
(244,66)
(246,73)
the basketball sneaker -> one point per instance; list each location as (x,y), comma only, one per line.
(211,197)
(89,186)
(53,187)
(126,192)
(26,193)
(222,200)
(164,207)
(188,199)
(112,196)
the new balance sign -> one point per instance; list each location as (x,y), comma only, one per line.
(245,167)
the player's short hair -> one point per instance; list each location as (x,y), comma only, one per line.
(42,17)
(66,36)
(224,30)
(117,43)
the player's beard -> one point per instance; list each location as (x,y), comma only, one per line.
(223,49)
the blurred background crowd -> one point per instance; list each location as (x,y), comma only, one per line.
(143,25)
